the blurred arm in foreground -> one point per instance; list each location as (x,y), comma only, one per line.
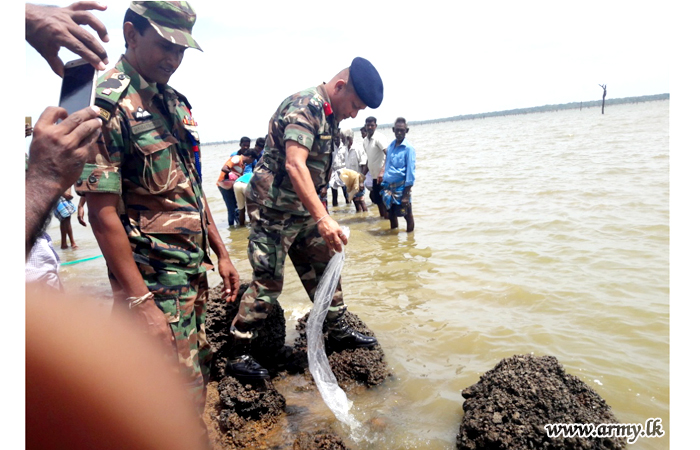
(100,384)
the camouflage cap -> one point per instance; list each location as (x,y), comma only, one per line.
(172,20)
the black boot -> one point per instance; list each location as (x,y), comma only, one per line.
(243,366)
(342,336)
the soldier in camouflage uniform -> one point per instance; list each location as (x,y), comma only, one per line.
(146,205)
(287,216)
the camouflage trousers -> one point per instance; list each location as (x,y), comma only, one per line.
(183,300)
(274,235)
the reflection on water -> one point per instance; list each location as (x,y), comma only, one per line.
(544,233)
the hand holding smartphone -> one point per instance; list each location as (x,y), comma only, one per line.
(78,87)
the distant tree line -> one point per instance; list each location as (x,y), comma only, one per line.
(222,142)
(539,109)
(512,112)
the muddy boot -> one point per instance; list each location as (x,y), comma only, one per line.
(242,366)
(342,336)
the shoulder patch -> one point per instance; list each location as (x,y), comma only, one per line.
(316,100)
(108,92)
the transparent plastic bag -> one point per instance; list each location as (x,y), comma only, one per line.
(333,396)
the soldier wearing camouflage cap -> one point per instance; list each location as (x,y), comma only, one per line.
(147,208)
(286,213)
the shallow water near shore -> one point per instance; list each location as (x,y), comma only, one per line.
(541,233)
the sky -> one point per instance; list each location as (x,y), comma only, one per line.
(437,59)
(435,62)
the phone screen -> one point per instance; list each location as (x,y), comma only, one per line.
(77,88)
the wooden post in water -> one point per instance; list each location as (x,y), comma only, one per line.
(605,92)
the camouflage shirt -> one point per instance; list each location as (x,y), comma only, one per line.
(145,154)
(302,118)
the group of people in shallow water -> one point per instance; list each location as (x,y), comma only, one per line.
(389,177)
(235,175)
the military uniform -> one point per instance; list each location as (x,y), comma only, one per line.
(280,224)
(146,155)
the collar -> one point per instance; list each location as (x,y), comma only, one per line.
(145,89)
(403,143)
(327,109)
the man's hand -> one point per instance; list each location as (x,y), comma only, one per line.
(81,213)
(406,197)
(153,322)
(58,151)
(28,130)
(230,276)
(48,28)
(332,233)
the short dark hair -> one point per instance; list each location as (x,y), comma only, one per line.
(248,152)
(400,120)
(371,119)
(245,139)
(363,129)
(260,142)
(141,24)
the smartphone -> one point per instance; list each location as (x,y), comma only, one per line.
(78,87)
(28,120)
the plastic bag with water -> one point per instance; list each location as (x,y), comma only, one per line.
(326,382)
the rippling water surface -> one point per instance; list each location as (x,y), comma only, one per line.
(541,233)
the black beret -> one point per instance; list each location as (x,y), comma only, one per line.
(367,82)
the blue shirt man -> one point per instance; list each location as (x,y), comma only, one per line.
(399,176)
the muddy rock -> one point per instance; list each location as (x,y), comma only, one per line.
(321,440)
(243,416)
(360,365)
(268,348)
(510,404)
(250,402)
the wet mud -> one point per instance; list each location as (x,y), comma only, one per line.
(247,416)
(510,404)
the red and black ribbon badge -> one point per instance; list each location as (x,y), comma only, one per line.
(327,110)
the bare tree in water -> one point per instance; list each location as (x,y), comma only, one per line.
(605,92)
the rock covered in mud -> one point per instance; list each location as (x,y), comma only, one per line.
(250,402)
(268,348)
(320,440)
(247,413)
(244,414)
(361,365)
(510,404)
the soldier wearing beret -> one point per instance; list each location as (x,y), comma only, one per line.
(147,208)
(287,216)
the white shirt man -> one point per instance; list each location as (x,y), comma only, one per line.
(356,158)
(375,148)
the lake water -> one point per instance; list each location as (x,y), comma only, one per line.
(541,233)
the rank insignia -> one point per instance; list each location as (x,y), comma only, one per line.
(104,114)
(327,110)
